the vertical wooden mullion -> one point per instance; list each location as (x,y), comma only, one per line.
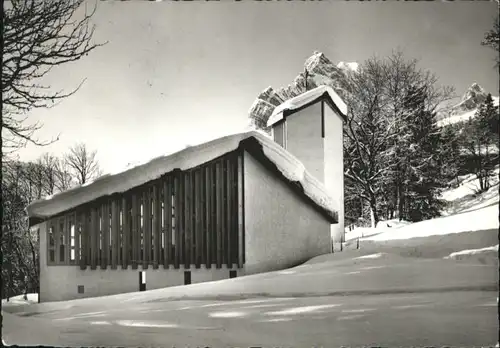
(197,213)
(187,220)
(208,227)
(214,215)
(156,229)
(224,211)
(146,228)
(105,234)
(219,196)
(235,212)
(167,216)
(77,237)
(202,211)
(115,225)
(94,234)
(125,233)
(241,226)
(67,237)
(178,199)
(135,230)
(229,214)
(82,218)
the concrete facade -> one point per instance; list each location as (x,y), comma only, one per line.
(321,151)
(60,282)
(304,141)
(281,230)
(334,165)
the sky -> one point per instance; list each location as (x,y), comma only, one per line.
(174,74)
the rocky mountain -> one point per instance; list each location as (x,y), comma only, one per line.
(319,70)
(467,107)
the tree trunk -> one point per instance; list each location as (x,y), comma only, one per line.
(373,212)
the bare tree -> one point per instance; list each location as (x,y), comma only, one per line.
(48,163)
(64,179)
(38,35)
(83,163)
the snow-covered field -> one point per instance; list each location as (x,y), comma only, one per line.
(457,254)
(467,211)
(19,300)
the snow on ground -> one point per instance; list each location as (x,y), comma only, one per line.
(466,211)
(371,256)
(382,226)
(465,197)
(477,220)
(20,301)
(472,252)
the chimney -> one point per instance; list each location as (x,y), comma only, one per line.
(310,126)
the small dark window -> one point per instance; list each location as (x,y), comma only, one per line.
(187,277)
(51,255)
(232,274)
(142,281)
(81,289)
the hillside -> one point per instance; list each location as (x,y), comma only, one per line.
(466,108)
(466,211)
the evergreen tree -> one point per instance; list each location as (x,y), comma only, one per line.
(450,150)
(424,180)
(480,142)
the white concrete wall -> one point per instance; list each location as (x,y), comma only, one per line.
(60,283)
(334,166)
(281,230)
(304,141)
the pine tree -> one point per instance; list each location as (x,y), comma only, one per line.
(424,180)
(450,150)
(480,139)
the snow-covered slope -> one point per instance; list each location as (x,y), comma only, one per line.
(467,107)
(190,157)
(466,211)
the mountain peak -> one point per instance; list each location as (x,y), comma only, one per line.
(473,97)
(321,71)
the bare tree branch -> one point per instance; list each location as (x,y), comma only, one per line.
(38,35)
(83,163)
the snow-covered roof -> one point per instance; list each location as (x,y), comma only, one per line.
(303,99)
(291,168)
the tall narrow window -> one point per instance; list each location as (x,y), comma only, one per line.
(121,235)
(72,242)
(150,229)
(162,246)
(141,232)
(51,245)
(173,218)
(110,239)
(80,241)
(62,241)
